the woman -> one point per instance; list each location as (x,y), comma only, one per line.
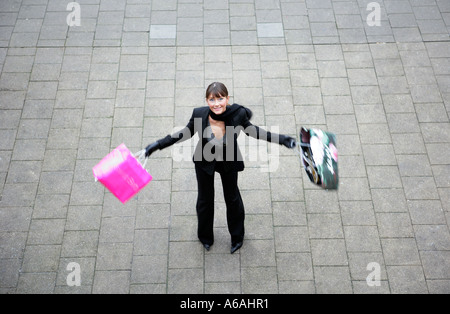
(219,126)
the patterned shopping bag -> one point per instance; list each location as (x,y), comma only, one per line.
(320,157)
(122,174)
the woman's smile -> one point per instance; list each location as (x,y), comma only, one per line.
(218,109)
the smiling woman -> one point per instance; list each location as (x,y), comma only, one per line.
(219,125)
(217,98)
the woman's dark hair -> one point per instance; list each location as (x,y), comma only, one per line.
(216,90)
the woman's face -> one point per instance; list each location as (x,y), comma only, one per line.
(218,105)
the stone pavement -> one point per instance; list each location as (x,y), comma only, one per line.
(134,69)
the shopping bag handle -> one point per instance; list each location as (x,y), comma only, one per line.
(140,155)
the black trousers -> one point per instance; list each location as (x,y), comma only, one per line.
(205,204)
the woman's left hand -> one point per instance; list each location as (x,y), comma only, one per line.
(289,142)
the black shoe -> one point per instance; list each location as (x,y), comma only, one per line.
(236,246)
(207,246)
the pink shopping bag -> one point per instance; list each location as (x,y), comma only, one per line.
(122,174)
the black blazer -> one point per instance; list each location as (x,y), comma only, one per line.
(210,150)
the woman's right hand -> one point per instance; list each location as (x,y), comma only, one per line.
(150,149)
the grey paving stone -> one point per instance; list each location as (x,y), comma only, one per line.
(86,193)
(400,251)
(328,252)
(432,237)
(435,210)
(83,218)
(189,280)
(41,258)
(335,86)
(394,225)
(300,287)
(101,89)
(149,269)
(406,279)
(369,233)
(294,266)
(259,280)
(114,256)
(9,274)
(162,31)
(357,213)
(151,242)
(117,229)
(291,239)
(10,221)
(178,251)
(265,30)
(80,244)
(384,177)
(51,206)
(289,213)
(42,283)
(409,165)
(356,189)
(46,231)
(111,282)
(327,226)
(333,280)
(420,188)
(389,200)
(433,258)
(222,268)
